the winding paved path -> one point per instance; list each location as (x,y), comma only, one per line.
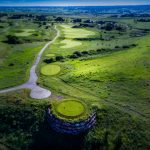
(37,92)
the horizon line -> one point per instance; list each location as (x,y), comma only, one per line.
(73,5)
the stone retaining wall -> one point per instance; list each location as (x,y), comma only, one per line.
(74,128)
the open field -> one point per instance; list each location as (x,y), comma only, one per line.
(70,44)
(16,59)
(107,69)
(118,79)
(25,32)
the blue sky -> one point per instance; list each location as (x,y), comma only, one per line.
(71,2)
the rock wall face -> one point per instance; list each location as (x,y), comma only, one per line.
(73,128)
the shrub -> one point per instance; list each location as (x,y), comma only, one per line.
(78,53)
(11,64)
(48,61)
(59,58)
(85,52)
(116,46)
(13,40)
(99,50)
(134,45)
(125,46)
(74,56)
(91,52)
(59,19)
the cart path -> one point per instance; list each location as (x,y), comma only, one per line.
(37,92)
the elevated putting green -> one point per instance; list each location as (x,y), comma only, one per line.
(50,70)
(70,108)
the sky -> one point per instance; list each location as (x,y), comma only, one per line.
(72,2)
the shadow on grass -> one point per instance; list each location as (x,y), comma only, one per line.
(48,139)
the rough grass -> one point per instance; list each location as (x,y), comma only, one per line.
(16,59)
(16,64)
(50,70)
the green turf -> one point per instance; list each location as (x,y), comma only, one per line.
(17,59)
(70,108)
(50,70)
(117,77)
(70,43)
(50,55)
(117,83)
(25,32)
(72,33)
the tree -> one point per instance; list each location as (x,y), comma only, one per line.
(11,39)
(59,19)
(59,58)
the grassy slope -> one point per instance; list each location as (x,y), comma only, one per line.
(119,77)
(117,82)
(21,56)
(117,94)
(73,44)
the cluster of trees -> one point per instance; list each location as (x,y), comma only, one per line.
(83,25)
(135,15)
(113,26)
(41,18)
(3,15)
(11,39)
(59,19)
(20,16)
(78,20)
(143,20)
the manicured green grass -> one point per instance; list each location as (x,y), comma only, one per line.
(70,43)
(72,33)
(70,108)
(50,55)
(50,70)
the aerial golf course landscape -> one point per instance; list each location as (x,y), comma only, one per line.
(92,71)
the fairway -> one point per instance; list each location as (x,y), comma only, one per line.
(25,32)
(70,43)
(72,33)
(50,55)
(70,108)
(50,70)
